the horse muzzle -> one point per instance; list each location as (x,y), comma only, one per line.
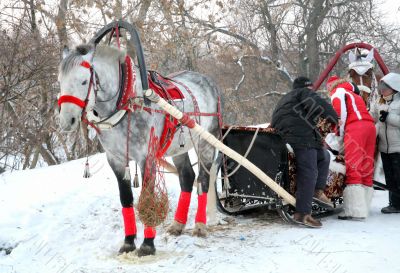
(68,121)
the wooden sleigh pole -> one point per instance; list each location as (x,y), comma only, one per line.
(212,140)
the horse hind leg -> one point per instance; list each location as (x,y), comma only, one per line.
(206,158)
(186,179)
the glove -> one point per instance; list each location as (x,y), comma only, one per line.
(383,115)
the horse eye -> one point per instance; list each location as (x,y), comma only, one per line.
(84,82)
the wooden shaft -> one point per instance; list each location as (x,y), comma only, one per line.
(225,149)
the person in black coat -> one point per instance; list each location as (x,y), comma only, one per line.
(295,118)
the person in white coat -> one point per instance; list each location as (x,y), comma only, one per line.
(387,116)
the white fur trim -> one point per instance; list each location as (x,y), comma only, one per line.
(355,203)
(336,166)
(369,192)
(335,142)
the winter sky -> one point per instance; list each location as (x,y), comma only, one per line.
(390,8)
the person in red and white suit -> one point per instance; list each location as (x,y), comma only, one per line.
(357,128)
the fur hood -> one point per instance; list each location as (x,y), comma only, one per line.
(341,83)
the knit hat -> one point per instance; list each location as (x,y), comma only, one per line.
(301,82)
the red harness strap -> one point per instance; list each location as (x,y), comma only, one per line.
(71,99)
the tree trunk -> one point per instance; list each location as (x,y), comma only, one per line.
(61,23)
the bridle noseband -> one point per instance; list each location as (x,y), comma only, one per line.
(75,100)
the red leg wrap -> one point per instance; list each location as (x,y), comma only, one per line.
(201,215)
(149,232)
(181,213)
(129,221)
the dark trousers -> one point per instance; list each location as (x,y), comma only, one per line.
(391,167)
(312,167)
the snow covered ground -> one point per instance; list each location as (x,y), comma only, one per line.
(52,220)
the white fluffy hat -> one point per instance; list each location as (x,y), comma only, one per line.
(392,80)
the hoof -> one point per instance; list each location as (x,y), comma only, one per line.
(200,230)
(129,244)
(147,248)
(176,228)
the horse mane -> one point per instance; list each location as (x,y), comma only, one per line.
(75,58)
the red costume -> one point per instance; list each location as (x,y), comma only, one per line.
(358,129)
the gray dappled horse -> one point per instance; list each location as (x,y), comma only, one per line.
(75,77)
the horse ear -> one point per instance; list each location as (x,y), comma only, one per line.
(370,56)
(352,57)
(65,51)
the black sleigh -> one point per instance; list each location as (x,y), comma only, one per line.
(239,191)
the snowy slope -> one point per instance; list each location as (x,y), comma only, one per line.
(56,221)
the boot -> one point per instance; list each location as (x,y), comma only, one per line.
(390,209)
(354,203)
(369,192)
(307,220)
(322,198)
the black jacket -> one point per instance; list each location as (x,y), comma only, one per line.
(296,116)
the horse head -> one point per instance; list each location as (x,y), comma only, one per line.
(81,72)
(361,70)
(76,84)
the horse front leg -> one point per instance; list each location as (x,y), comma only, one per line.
(128,211)
(147,247)
(186,179)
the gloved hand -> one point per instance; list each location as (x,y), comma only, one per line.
(383,115)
